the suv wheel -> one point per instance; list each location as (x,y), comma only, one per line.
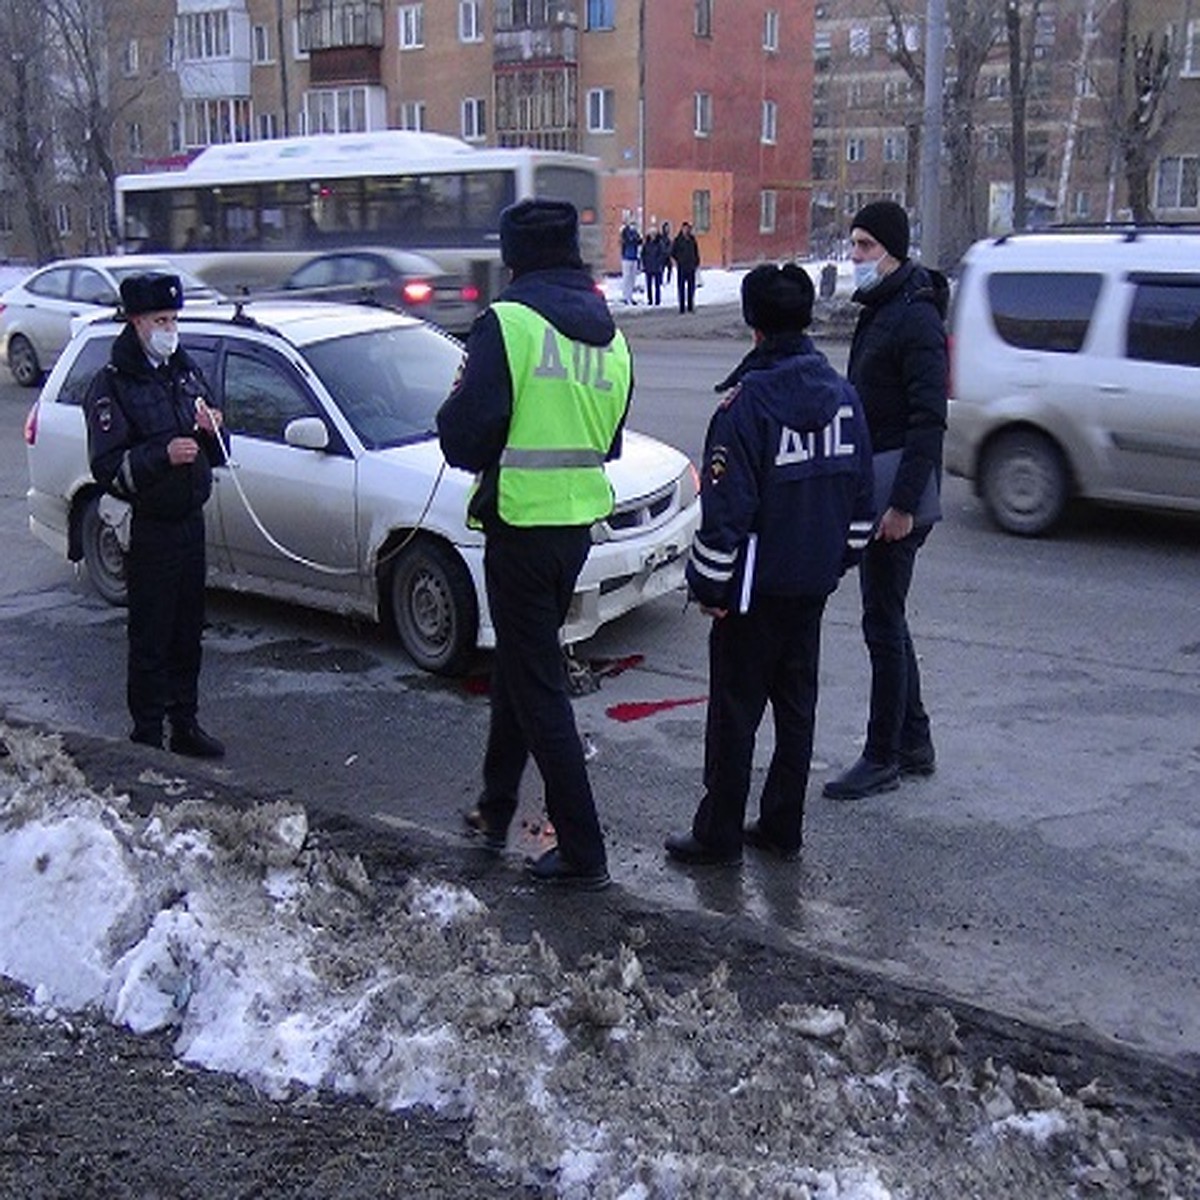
(434,608)
(1024,482)
(102,554)
(23,361)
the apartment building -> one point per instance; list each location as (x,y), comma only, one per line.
(698,110)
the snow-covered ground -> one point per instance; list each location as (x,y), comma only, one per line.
(719,285)
(271,959)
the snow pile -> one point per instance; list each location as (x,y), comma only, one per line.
(284,963)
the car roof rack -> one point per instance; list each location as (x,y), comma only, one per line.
(1131,229)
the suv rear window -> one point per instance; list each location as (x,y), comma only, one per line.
(1164,322)
(1043,310)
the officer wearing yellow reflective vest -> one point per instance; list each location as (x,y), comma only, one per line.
(536,412)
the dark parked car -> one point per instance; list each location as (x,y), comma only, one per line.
(396,279)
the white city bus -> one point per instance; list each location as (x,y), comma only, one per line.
(244,214)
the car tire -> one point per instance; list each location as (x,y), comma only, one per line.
(103,557)
(434,608)
(23,361)
(1024,482)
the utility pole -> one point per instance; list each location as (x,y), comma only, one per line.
(931,137)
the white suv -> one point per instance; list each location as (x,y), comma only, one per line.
(1076,372)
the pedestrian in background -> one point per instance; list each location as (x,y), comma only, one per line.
(153,439)
(787,507)
(537,410)
(685,253)
(898,363)
(665,233)
(631,250)
(656,253)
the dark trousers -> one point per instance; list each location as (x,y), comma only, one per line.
(530,575)
(770,653)
(653,287)
(165,579)
(685,282)
(897,720)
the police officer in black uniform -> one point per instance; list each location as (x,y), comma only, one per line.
(153,438)
(788,506)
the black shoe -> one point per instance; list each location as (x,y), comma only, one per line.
(685,848)
(493,839)
(754,835)
(921,761)
(193,742)
(145,735)
(865,778)
(553,868)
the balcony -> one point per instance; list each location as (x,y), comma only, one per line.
(548,44)
(340,25)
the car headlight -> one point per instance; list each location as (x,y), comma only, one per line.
(689,486)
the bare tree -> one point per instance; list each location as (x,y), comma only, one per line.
(24,93)
(1021,32)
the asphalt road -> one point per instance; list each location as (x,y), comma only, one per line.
(1046,872)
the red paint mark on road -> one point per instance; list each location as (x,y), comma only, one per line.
(637,710)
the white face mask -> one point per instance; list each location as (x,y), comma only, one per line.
(163,343)
(866,275)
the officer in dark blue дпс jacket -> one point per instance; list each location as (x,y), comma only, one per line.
(788,506)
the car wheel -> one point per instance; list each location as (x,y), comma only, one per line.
(102,554)
(434,607)
(1024,482)
(23,361)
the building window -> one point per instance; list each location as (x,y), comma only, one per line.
(412,115)
(260,37)
(996,144)
(822,50)
(912,42)
(897,93)
(770,121)
(703,114)
(1081,206)
(1037,154)
(134,139)
(856,149)
(702,211)
(601,14)
(860,41)
(820,159)
(204,35)
(1176,185)
(600,105)
(268,126)
(335,110)
(856,94)
(704,18)
(474,118)
(62,219)
(130,62)
(1084,143)
(1191,50)
(470,21)
(771,30)
(211,122)
(895,147)
(767,205)
(299,46)
(412,26)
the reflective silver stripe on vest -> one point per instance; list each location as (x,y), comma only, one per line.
(550,460)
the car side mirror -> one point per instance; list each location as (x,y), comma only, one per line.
(306,433)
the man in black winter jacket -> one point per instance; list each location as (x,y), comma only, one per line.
(153,438)
(787,506)
(898,363)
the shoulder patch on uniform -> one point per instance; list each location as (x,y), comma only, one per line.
(730,396)
(718,463)
(104,414)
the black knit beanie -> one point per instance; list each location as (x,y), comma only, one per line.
(887,223)
(775,299)
(538,234)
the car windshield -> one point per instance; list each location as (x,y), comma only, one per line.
(390,382)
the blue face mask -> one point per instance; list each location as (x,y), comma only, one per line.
(866,275)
